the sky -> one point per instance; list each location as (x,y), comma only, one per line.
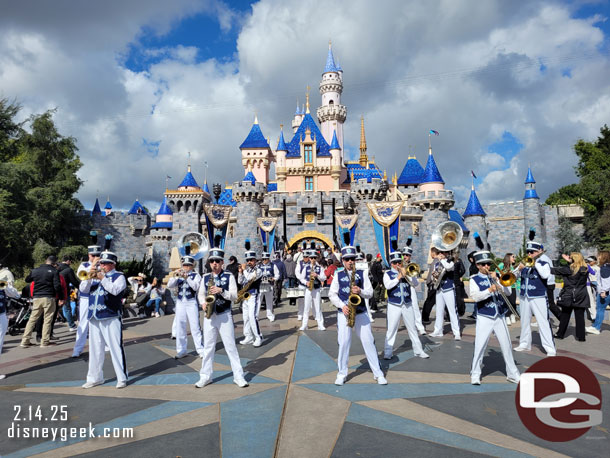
(140,84)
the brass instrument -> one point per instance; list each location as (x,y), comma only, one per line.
(210,298)
(310,283)
(507,279)
(528,261)
(82,275)
(353,301)
(447,236)
(197,243)
(412,270)
(243,294)
(3,284)
(504,298)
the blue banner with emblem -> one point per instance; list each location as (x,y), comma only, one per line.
(347,224)
(217,222)
(386,223)
(267,227)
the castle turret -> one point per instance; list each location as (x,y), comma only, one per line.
(160,239)
(256,154)
(96,208)
(532,213)
(411,176)
(249,195)
(298,118)
(474,219)
(108,207)
(280,162)
(363,159)
(335,163)
(332,115)
(139,219)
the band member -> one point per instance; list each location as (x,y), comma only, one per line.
(430,300)
(407,253)
(534,300)
(250,276)
(297,271)
(82,331)
(339,293)
(223,292)
(312,277)
(7,291)
(106,292)
(445,296)
(491,308)
(270,275)
(186,281)
(362,265)
(400,304)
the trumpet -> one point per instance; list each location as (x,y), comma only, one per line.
(178,273)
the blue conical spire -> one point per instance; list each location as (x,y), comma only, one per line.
(330,61)
(255,138)
(96,208)
(205,187)
(164,209)
(137,209)
(189,180)
(474,207)
(334,144)
(281,145)
(431,173)
(412,173)
(530,176)
(108,205)
(249,177)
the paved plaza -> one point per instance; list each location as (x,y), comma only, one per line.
(292,407)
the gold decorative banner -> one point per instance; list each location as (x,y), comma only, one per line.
(346,221)
(218,215)
(385,213)
(267,224)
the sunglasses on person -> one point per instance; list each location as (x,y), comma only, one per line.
(215,261)
(530,251)
(485,264)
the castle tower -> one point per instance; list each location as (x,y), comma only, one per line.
(249,195)
(160,239)
(335,162)
(433,200)
(298,118)
(186,203)
(411,176)
(332,115)
(363,160)
(474,219)
(532,216)
(256,155)
(96,208)
(108,207)
(280,165)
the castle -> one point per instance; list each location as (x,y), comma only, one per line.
(313,183)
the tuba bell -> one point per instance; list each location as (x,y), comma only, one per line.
(82,275)
(199,245)
(447,236)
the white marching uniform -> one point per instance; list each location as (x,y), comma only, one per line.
(400,305)
(301,300)
(313,298)
(490,318)
(187,309)
(82,331)
(364,266)
(338,294)
(221,322)
(105,310)
(534,301)
(5,294)
(252,331)
(445,297)
(266,289)
(416,311)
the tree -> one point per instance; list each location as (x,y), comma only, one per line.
(593,189)
(38,182)
(568,240)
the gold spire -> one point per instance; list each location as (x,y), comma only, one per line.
(395,179)
(364,160)
(307,100)
(385,175)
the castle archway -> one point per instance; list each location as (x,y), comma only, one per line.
(310,236)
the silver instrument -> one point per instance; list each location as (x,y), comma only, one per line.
(198,243)
(447,236)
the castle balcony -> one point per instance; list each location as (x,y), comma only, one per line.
(442,198)
(245,191)
(331,113)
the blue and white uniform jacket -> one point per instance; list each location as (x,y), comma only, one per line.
(248,275)
(224,280)
(399,290)
(305,273)
(533,279)
(447,283)
(187,287)
(489,305)
(339,290)
(105,296)
(5,294)
(269,271)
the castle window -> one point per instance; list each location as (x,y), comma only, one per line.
(331,103)
(308,154)
(308,183)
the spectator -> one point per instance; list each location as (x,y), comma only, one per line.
(330,270)
(65,270)
(233,267)
(592,287)
(377,282)
(460,293)
(47,286)
(290,266)
(278,285)
(141,291)
(298,256)
(6,275)
(155,295)
(574,296)
(603,292)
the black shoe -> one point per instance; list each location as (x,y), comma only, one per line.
(426,321)
(558,337)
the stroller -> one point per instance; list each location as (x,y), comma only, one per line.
(21,310)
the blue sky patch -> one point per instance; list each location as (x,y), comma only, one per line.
(508,147)
(566,72)
(151,147)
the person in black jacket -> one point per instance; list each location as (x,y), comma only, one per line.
(47,287)
(65,270)
(574,296)
(377,283)
(460,293)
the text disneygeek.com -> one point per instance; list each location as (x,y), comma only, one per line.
(18,431)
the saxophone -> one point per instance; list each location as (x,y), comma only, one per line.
(243,294)
(353,301)
(310,283)
(210,298)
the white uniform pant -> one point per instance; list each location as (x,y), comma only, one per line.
(188,311)
(395,312)
(249,309)
(416,311)
(362,327)
(446,298)
(3,328)
(267,296)
(540,308)
(104,333)
(82,331)
(368,308)
(220,324)
(314,297)
(301,308)
(485,326)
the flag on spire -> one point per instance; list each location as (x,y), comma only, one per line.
(434,132)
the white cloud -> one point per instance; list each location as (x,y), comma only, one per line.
(469,70)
